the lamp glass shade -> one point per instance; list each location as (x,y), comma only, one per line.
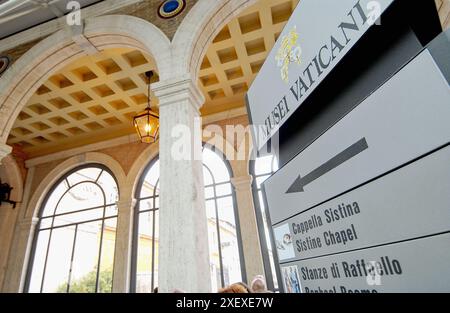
(147,126)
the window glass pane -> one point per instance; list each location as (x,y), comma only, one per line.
(229,242)
(146,204)
(83,196)
(46,223)
(85,262)
(54,198)
(147,242)
(58,263)
(210,209)
(260,180)
(148,190)
(39,261)
(86,174)
(144,253)
(261,202)
(263,165)
(111,211)
(79,217)
(151,181)
(109,186)
(216,165)
(223,190)
(274,164)
(207,178)
(209,192)
(226,210)
(107,256)
(264,168)
(214,256)
(75,235)
(216,175)
(156,242)
(157,203)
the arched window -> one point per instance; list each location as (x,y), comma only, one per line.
(226,262)
(146,232)
(73,249)
(262,168)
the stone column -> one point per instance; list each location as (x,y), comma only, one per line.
(4,151)
(8,217)
(183,246)
(19,256)
(122,254)
(249,228)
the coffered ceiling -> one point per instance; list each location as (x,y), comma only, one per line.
(237,53)
(96,97)
(92,100)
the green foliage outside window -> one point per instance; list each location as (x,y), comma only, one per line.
(86,284)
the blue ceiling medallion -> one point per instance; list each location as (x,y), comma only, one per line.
(4,63)
(171,8)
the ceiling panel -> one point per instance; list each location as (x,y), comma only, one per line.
(237,53)
(96,98)
(91,100)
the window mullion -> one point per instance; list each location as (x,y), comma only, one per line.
(100,249)
(72,257)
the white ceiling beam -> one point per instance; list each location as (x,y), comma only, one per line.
(53,26)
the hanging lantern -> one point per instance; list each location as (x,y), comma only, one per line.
(147,123)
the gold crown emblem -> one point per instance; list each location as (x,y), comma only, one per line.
(289,52)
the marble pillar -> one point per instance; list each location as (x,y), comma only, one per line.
(19,256)
(122,255)
(249,234)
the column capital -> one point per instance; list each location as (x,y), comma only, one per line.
(242,181)
(179,89)
(4,151)
(126,204)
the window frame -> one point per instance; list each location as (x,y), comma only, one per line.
(227,164)
(134,253)
(261,230)
(135,232)
(37,230)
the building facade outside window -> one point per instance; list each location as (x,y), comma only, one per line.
(226,261)
(74,244)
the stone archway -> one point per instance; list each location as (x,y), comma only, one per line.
(21,244)
(198,29)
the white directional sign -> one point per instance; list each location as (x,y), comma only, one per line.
(411,202)
(407,117)
(419,265)
(316,38)
(366,207)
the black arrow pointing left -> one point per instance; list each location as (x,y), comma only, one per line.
(344,156)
